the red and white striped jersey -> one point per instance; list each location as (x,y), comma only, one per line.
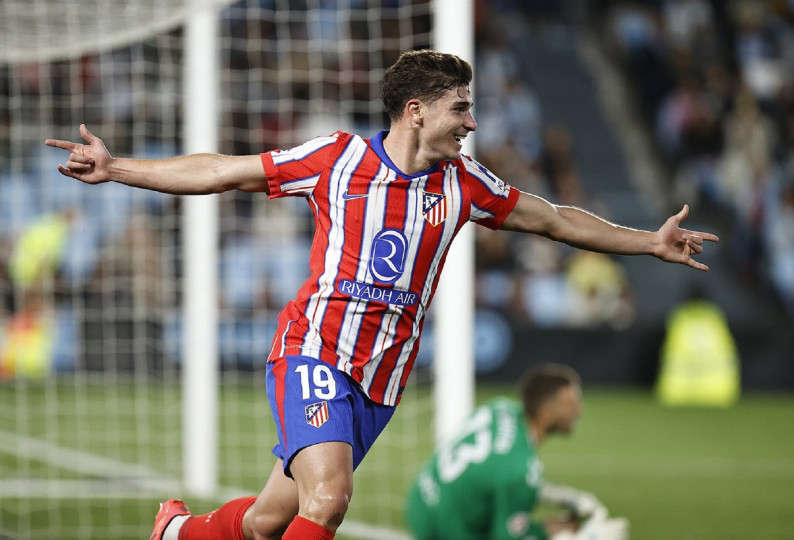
(379,246)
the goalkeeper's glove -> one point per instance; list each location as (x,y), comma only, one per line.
(581,503)
(596,528)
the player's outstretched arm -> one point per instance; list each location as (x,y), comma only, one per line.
(195,174)
(584,230)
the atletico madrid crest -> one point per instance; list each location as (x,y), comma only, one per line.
(434,208)
(317,414)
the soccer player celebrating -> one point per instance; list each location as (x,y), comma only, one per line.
(483,483)
(386,210)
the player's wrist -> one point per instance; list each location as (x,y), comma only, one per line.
(115,170)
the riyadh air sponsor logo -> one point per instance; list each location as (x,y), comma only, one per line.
(317,414)
(434,207)
(387,259)
(374,293)
(387,265)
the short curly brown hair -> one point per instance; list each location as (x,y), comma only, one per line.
(422,74)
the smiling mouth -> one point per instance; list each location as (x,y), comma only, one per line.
(459,138)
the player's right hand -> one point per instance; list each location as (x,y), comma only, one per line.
(89,163)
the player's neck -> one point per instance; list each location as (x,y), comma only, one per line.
(403,147)
(536,433)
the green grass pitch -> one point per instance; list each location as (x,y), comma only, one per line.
(676,473)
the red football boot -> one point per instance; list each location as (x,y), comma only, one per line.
(168,511)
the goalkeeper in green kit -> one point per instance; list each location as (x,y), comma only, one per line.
(484,482)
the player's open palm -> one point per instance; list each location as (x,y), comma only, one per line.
(89,163)
(679,245)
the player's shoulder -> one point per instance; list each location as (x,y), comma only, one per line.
(503,404)
(479,174)
(348,139)
(336,142)
(509,431)
(468,163)
(330,139)
(343,135)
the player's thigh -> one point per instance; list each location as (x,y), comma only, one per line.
(324,470)
(275,507)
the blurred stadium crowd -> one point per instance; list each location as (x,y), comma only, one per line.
(712,84)
(712,80)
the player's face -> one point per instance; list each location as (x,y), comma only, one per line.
(446,123)
(566,408)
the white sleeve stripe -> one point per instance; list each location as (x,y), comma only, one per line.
(298,153)
(300,185)
(479,213)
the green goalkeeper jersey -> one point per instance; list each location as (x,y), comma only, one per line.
(483,483)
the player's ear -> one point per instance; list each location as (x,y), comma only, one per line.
(415,110)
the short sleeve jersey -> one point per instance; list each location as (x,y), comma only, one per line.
(379,245)
(481,484)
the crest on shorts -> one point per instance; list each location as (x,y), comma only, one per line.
(317,414)
(434,207)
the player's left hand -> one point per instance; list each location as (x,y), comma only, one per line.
(678,245)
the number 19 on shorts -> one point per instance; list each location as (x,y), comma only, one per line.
(320,384)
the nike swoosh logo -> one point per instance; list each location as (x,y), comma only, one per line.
(347,196)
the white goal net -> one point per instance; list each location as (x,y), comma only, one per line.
(91,276)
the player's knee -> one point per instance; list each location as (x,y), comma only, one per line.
(326,507)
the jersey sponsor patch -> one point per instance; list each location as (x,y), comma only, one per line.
(434,207)
(373,293)
(387,260)
(317,414)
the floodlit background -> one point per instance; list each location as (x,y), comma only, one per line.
(626,108)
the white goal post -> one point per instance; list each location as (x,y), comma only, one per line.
(201,240)
(454,372)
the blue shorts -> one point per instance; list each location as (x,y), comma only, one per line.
(313,402)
